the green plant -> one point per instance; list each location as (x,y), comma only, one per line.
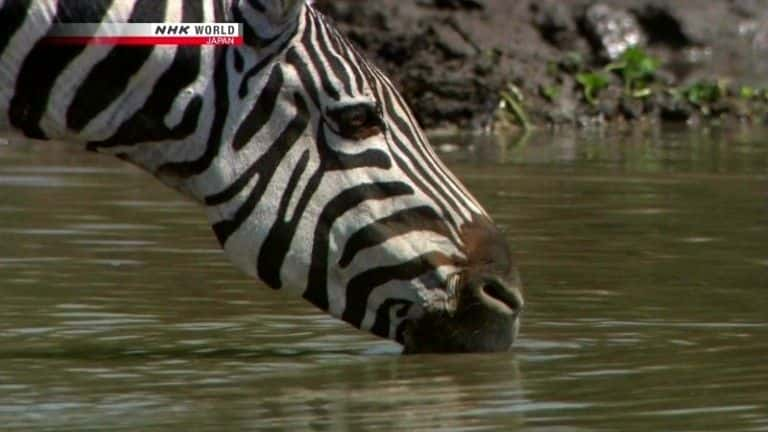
(572,62)
(705,92)
(511,103)
(591,84)
(748,92)
(549,92)
(751,93)
(637,70)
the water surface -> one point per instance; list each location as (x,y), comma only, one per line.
(644,255)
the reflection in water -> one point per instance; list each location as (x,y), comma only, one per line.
(644,257)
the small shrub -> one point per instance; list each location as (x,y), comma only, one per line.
(636,68)
(591,84)
(549,92)
(704,92)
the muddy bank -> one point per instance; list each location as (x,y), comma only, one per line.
(553,62)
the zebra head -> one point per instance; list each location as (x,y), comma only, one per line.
(315,175)
(363,219)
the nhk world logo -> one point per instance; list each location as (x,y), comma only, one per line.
(146,34)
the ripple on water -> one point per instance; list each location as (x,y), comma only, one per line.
(43,182)
(44,232)
(113,242)
(112,227)
(643,211)
(36,262)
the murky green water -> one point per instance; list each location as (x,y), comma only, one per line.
(645,259)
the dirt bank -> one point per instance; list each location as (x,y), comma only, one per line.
(558,62)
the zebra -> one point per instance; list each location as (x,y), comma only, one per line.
(314,174)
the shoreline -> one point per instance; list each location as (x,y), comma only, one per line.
(495,64)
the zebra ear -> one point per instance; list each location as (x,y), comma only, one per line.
(274,13)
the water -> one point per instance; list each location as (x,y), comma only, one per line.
(644,255)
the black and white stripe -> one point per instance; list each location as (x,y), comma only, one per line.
(314,173)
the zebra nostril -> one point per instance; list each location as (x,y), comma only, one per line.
(499,291)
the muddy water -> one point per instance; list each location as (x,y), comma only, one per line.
(645,259)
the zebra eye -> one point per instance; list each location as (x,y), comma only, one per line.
(357,121)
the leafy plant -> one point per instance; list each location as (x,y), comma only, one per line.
(549,92)
(591,84)
(511,103)
(705,92)
(637,69)
(572,62)
(748,92)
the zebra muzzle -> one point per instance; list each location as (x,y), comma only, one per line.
(483,316)
(484,300)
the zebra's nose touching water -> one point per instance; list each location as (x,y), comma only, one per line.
(315,175)
(486,301)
